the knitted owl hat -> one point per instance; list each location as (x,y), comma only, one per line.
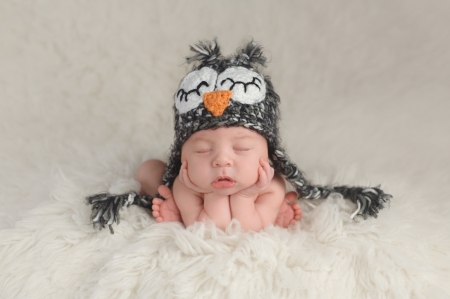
(232,92)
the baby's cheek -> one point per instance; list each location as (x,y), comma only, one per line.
(197,172)
(250,169)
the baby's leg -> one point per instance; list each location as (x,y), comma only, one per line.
(149,175)
(289,213)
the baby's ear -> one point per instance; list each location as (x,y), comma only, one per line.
(205,52)
(252,54)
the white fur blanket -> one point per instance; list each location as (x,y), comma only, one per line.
(85,96)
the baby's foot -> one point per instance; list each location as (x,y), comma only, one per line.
(165,210)
(289,213)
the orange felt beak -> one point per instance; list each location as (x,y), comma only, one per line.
(217,101)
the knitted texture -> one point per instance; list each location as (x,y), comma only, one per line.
(105,207)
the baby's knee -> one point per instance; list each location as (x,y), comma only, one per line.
(150,171)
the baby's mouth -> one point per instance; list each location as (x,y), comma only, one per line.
(223,182)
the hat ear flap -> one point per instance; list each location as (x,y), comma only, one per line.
(369,200)
(251,55)
(206,52)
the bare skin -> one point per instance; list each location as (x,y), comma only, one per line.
(254,207)
(167,210)
(256,199)
(289,212)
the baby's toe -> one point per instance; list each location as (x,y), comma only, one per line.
(157,201)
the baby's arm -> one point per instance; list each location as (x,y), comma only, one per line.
(258,206)
(217,208)
(189,202)
(211,206)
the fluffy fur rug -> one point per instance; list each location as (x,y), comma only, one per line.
(85,97)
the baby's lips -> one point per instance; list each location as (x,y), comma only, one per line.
(223,178)
(223,182)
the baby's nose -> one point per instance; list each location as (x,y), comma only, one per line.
(222,160)
(217,101)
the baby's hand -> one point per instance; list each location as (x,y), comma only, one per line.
(265,175)
(184,178)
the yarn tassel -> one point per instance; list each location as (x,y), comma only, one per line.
(106,207)
(369,200)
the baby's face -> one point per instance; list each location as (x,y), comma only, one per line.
(224,160)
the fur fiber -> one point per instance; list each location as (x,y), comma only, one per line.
(86,91)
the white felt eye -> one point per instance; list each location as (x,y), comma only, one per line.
(247,86)
(192,87)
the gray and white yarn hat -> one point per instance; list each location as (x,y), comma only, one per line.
(228,92)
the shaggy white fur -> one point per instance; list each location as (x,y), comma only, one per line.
(85,96)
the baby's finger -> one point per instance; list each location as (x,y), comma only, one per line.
(185,178)
(270,170)
(180,174)
(187,181)
(183,166)
(262,177)
(267,168)
(264,164)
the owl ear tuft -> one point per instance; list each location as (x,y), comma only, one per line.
(251,54)
(206,52)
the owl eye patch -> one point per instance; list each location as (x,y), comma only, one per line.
(255,81)
(185,94)
(247,85)
(192,87)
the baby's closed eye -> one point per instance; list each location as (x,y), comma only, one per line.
(202,151)
(242,148)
